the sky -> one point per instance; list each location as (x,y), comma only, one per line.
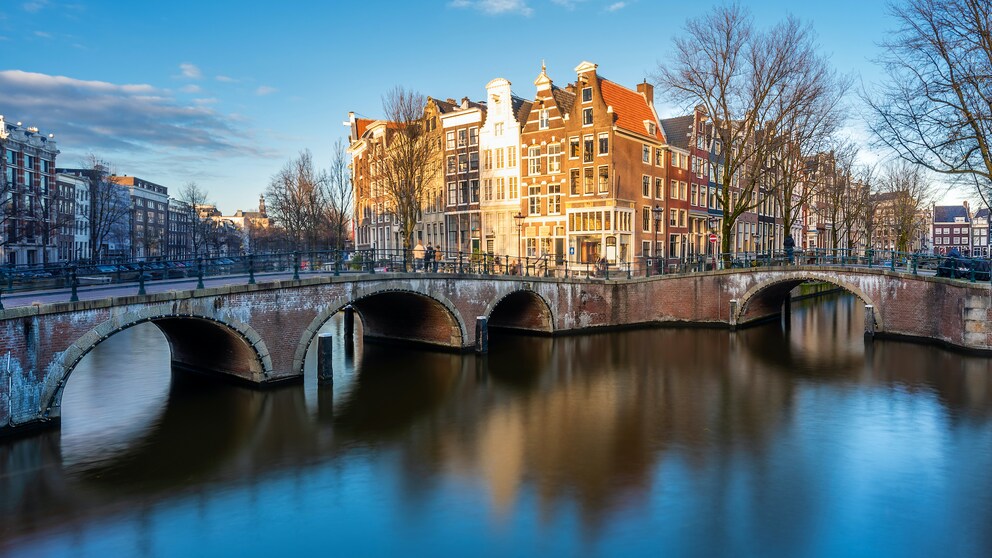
(225,93)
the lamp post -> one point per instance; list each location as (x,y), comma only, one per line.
(658,213)
(519,220)
(712,223)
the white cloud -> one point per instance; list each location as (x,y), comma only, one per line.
(191,88)
(225,79)
(34,6)
(495,7)
(567,4)
(206,101)
(265,90)
(190,70)
(616,6)
(43,34)
(124,118)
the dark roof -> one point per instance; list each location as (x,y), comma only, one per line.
(948,213)
(521,108)
(563,98)
(982,214)
(443,106)
(678,129)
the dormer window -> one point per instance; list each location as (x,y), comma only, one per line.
(543,119)
(651,128)
(587,94)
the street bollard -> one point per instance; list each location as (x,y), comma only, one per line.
(251,269)
(74,284)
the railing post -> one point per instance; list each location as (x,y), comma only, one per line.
(199,272)
(296,265)
(871,260)
(650,264)
(141,278)
(251,269)
(971,266)
(914,264)
(1,299)
(337,263)
(892,260)
(74,283)
(461,268)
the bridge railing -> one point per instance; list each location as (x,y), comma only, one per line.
(245,267)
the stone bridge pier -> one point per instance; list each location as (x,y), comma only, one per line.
(260,334)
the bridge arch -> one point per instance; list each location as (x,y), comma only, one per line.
(232,348)
(766,297)
(523,310)
(397,314)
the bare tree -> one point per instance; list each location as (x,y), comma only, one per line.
(297,199)
(340,195)
(194,198)
(904,190)
(110,208)
(757,87)
(935,106)
(408,161)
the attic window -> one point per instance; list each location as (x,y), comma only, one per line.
(650,126)
(587,94)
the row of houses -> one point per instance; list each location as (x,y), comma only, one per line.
(581,172)
(589,171)
(52,214)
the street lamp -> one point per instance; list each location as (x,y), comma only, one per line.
(658,213)
(519,220)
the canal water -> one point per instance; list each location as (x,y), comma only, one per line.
(771,441)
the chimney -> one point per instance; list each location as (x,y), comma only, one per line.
(464,102)
(967,210)
(646,89)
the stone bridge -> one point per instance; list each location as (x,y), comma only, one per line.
(259,334)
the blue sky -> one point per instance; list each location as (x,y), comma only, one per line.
(225,92)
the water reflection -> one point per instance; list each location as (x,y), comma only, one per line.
(693,441)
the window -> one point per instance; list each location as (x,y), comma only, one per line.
(659,188)
(500,188)
(487,189)
(694,196)
(498,129)
(475,190)
(659,157)
(646,154)
(452,193)
(463,191)
(543,119)
(604,144)
(573,148)
(450,140)
(587,180)
(604,179)
(462,134)
(587,147)
(573,182)
(673,218)
(473,161)
(646,186)
(554,199)
(554,158)
(513,187)
(534,162)
(646,218)
(587,116)
(511,156)
(487,159)
(473,136)
(674,191)
(463,162)
(500,159)
(532,247)
(586,94)
(534,200)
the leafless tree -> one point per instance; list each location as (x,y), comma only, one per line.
(340,195)
(758,87)
(904,191)
(110,208)
(194,198)
(935,106)
(297,200)
(407,163)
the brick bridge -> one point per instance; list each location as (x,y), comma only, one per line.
(260,333)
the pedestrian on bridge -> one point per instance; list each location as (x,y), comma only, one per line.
(418,256)
(790,247)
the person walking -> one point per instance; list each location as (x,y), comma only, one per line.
(418,256)
(428,257)
(790,247)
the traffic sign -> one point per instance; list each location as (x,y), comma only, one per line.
(713,238)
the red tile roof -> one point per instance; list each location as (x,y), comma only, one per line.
(630,108)
(361,124)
